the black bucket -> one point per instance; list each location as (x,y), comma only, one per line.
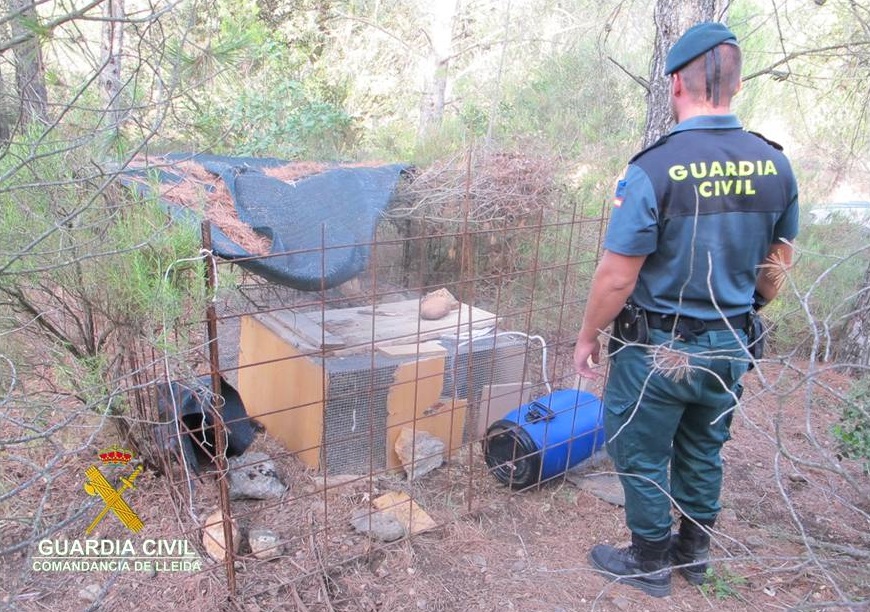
(196,425)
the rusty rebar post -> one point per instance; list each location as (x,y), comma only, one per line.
(466,278)
(220,457)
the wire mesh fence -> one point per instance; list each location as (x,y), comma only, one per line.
(364,391)
(315,427)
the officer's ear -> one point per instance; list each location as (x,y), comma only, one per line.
(677,85)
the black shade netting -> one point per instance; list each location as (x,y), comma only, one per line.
(321,226)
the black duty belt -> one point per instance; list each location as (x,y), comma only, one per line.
(666,322)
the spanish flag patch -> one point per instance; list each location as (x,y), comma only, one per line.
(619,196)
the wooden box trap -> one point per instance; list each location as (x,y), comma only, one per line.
(339,391)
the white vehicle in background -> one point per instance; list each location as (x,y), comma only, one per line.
(842,212)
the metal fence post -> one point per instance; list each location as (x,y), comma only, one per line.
(220,458)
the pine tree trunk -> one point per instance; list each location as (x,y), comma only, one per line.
(672,18)
(435,79)
(4,118)
(112,46)
(29,68)
(855,349)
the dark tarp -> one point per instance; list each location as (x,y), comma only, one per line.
(321,226)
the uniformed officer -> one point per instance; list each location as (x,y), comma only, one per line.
(694,220)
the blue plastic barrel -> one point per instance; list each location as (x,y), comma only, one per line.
(545,437)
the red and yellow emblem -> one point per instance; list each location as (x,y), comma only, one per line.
(97,484)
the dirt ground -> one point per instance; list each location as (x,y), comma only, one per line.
(794,534)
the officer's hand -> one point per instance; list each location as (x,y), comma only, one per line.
(584,352)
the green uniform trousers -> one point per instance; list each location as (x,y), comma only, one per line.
(654,419)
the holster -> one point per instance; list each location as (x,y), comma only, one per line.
(755,337)
(629,327)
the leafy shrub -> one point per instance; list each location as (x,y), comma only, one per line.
(722,584)
(816,302)
(87,265)
(287,118)
(853,430)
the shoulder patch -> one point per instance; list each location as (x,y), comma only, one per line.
(619,196)
(657,143)
(775,145)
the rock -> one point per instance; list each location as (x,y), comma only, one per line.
(378,524)
(253,476)
(728,515)
(339,480)
(603,486)
(264,544)
(437,304)
(90,592)
(755,542)
(382,572)
(420,452)
(477,560)
(213,536)
(621,602)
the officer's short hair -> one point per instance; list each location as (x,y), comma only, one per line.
(695,74)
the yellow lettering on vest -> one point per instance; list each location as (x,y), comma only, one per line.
(745,168)
(726,187)
(699,169)
(706,189)
(748,187)
(716,169)
(730,168)
(769,167)
(677,173)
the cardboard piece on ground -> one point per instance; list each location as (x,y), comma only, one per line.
(406,511)
(497,400)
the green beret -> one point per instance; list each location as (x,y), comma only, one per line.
(697,40)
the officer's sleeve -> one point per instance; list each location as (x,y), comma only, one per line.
(786,227)
(633,228)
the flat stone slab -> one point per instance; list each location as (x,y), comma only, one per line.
(602,486)
(595,476)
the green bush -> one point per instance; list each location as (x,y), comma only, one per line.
(828,270)
(853,430)
(87,266)
(723,584)
(285,117)
(556,105)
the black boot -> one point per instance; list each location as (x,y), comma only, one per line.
(690,549)
(644,565)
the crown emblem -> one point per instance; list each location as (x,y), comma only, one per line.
(115,455)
